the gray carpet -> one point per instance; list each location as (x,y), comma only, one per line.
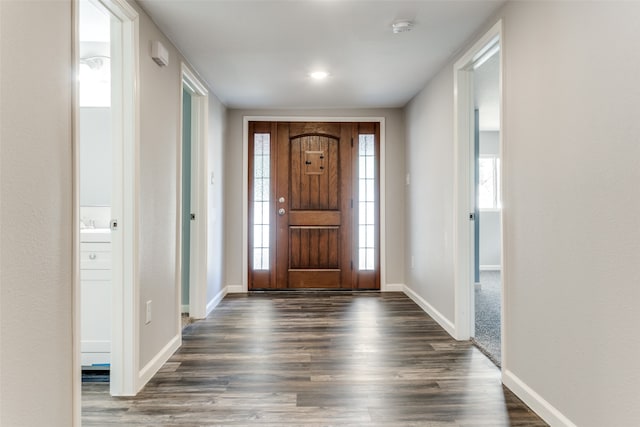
(488,315)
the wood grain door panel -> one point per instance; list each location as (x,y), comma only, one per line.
(314,178)
(313,239)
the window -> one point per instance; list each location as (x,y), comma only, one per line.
(366,202)
(261,191)
(489,182)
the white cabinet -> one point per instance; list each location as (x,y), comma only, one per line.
(95,280)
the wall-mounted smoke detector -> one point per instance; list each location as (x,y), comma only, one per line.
(402,26)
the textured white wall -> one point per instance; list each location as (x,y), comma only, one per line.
(160,103)
(35,214)
(216,229)
(490,239)
(429,213)
(394,182)
(95,156)
(571,211)
(160,144)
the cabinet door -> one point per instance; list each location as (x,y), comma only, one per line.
(96,321)
(95,256)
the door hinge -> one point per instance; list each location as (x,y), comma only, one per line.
(351,265)
(352,141)
(351,203)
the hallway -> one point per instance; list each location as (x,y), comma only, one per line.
(304,359)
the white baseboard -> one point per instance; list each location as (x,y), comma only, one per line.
(393,287)
(431,311)
(235,289)
(490,268)
(185,308)
(158,361)
(216,300)
(544,409)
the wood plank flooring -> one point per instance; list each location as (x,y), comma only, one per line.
(330,359)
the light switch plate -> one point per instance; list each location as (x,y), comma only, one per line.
(148,313)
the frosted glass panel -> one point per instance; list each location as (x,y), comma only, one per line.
(261,192)
(366,203)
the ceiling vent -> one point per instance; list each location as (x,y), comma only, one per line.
(402,26)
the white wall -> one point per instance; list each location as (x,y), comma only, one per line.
(571,214)
(95,156)
(36,369)
(429,213)
(160,135)
(216,228)
(160,145)
(490,239)
(394,120)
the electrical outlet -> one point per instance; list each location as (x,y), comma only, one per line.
(148,315)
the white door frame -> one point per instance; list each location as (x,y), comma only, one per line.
(244,286)
(199,196)
(463,117)
(124,318)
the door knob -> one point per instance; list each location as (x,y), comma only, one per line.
(281,211)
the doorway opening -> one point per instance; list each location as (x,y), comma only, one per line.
(105,141)
(313,205)
(487,204)
(194,196)
(96,184)
(478,202)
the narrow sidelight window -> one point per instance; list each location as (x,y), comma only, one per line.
(366,202)
(261,188)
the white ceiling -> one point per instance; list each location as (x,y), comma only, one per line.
(258,53)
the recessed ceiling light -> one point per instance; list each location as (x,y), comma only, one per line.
(319,75)
(402,26)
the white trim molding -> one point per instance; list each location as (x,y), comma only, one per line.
(393,287)
(199,195)
(537,403)
(154,365)
(245,185)
(446,324)
(126,133)
(463,119)
(217,299)
(236,289)
(490,268)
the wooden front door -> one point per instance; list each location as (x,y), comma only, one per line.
(302,211)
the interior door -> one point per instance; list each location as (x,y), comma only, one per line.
(304,206)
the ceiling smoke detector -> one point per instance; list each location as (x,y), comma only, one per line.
(403,26)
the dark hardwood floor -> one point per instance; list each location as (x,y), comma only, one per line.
(317,360)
